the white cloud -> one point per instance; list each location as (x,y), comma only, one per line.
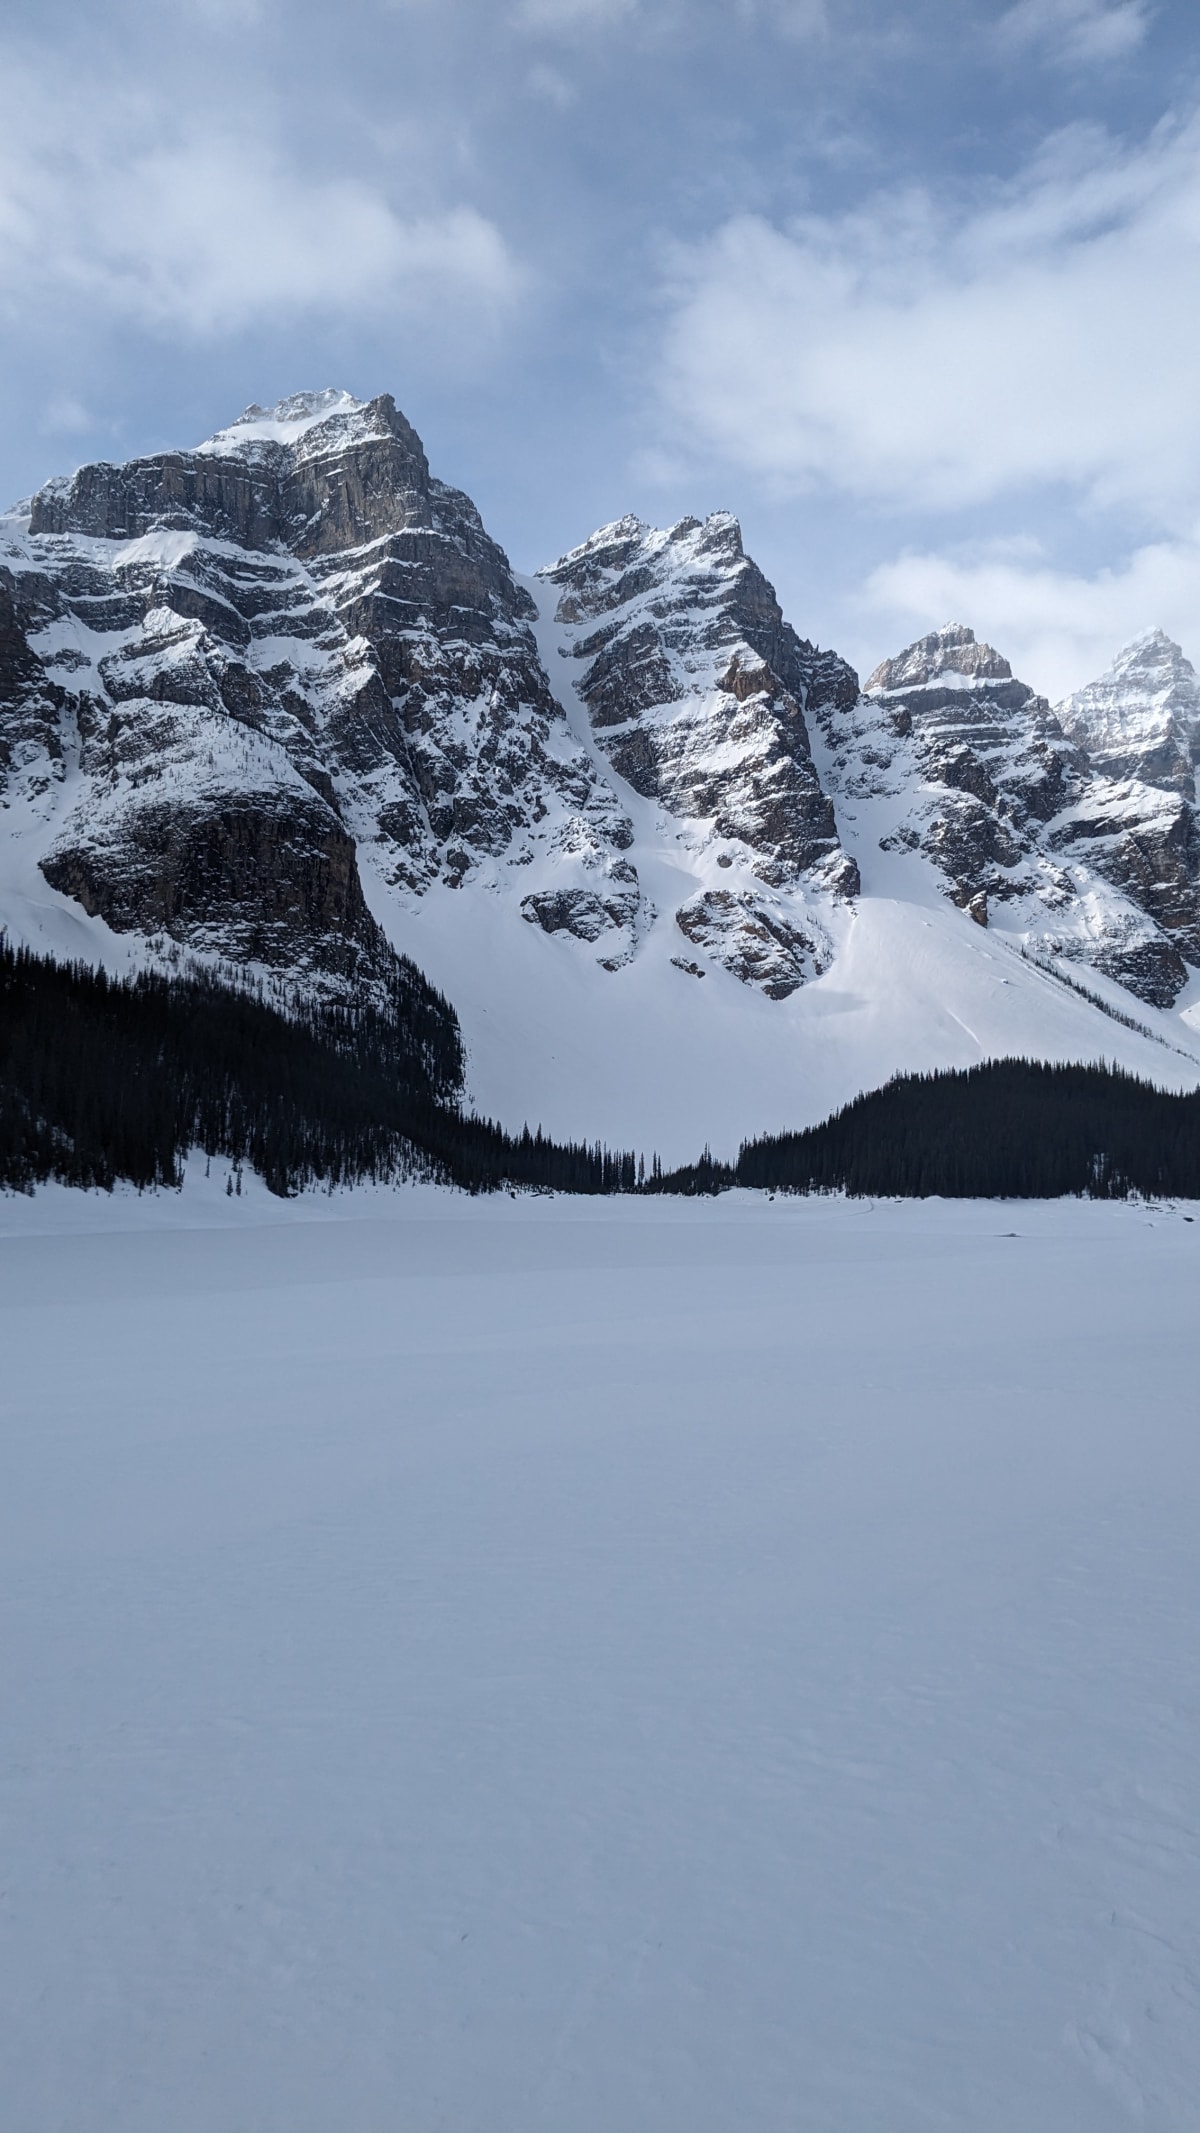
(65,416)
(1058,628)
(206,228)
(916,357)
(1076,31)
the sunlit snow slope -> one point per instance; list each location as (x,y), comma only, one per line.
(653,1056)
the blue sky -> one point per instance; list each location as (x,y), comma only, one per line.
(914,289)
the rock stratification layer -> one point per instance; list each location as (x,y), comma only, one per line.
(1050,820)
(698,693)
(1140,719)
(223,668)
(698,689)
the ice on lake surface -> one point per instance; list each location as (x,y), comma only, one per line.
(549,1667)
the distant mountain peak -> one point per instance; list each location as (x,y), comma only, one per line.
(1155,639)
(954,649)
(1154,653)
(1076,830)
(1141,717)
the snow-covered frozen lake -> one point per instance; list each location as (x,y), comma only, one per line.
(550,1667)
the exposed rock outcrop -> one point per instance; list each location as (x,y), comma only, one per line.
(1140,719)
(256,655)
(755,939)
(698,691)
(1079,850)
(988,747)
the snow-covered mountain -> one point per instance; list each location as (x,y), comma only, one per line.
(280,703)
(1075,830)
(696,692)
(1141,719)
(240,661)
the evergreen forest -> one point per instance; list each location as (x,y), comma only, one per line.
(1012,1129)
(105,1079)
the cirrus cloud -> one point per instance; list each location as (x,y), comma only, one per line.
(1078,32)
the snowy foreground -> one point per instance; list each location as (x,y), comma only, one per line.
(549,1667)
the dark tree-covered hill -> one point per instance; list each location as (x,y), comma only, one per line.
(1010,1129)
(104,1078)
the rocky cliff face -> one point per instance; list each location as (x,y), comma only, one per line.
(221,669)
(1141,719)
(1136,819)
(698,693)
(698,690)
(1036,817)
(30,702)
(225,674)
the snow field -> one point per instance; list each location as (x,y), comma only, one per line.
(514,1666)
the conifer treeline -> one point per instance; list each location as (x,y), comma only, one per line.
(1012,1129)
(104,1078)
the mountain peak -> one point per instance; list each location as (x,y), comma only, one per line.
(285,423)
(276,475)
(1141,717)
(719,535)
(1154,653)
(954,649)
